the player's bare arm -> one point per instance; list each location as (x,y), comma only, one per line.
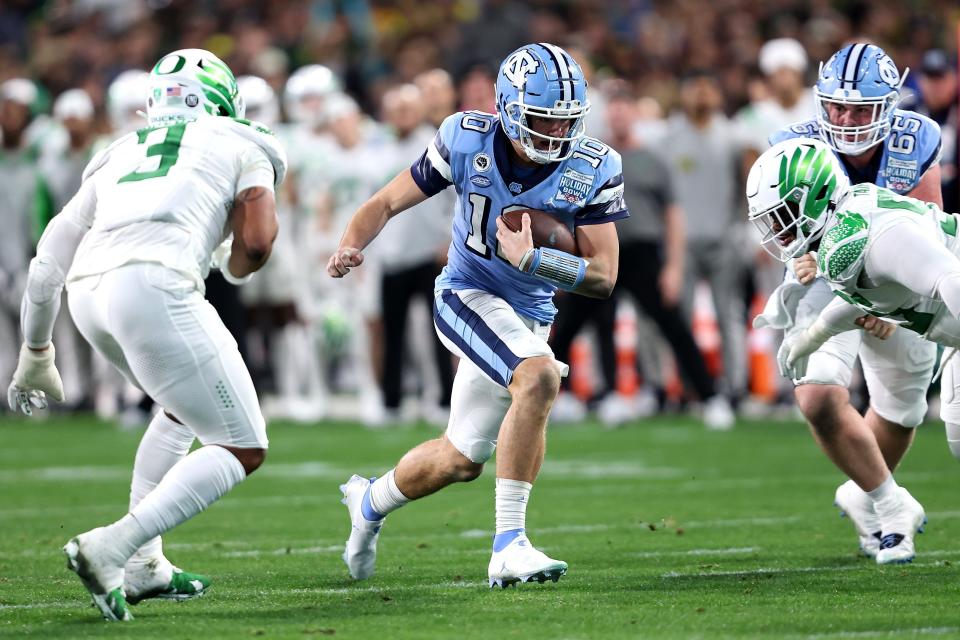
(255,226)
(600,246)
(928,189)
(398,195)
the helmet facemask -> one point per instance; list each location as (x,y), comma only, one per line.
(786,219)
(855,140)
(517,113)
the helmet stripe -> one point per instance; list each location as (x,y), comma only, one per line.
(563,71)
(854,53)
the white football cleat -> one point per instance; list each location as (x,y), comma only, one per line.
(519,561)
(718,414)
(360,554)
(855,504)
(896,544)
(87,557)
(159,578)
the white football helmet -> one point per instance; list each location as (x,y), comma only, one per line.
(259,99)
(307,92)
(792,190)
(126,96)
(190,83)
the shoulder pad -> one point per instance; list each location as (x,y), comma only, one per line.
(841,254)
(802,129)
(100,157)
(263,137)
(461,131)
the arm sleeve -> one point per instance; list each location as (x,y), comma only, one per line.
(837,317)
(923,275)
(55,253)
(256,170)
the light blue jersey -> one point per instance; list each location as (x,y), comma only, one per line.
(472,153)
(912,147)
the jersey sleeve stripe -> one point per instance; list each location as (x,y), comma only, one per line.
(932,160)
(597,216)
(439,157)
(430,181)
(612,189)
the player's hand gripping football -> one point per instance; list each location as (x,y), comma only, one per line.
(342,260)
(514,244)
(805,268)
(36,377)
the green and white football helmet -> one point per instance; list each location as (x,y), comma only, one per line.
(792,191)
(190,83)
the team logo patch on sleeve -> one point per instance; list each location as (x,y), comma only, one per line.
(574,187)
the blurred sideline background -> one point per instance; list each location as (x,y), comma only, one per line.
(356,89)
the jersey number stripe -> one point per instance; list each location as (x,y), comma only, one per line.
(167,149)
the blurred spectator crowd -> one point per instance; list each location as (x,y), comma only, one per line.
(687,91)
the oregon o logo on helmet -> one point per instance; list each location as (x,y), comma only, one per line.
(518,66)
(169,64)
(888,71)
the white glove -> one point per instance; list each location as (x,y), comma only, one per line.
(794,353)
(35,377)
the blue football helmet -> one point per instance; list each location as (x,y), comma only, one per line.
(856,76)
(543,81)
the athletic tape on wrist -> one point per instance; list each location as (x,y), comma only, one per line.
(562,270)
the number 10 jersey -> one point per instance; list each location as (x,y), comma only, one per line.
(471,152)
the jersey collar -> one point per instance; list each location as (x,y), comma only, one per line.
(517,180)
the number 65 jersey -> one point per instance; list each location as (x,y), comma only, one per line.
(471,152)
(164,194)
(912,147)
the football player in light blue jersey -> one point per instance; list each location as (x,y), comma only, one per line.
(494,300)
(857,94)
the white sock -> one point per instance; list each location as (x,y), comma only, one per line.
(512,498)
(885,497)
(193,484)
(163,445)
(385,496)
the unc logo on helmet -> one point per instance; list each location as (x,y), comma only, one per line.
(518,66)
(542,81)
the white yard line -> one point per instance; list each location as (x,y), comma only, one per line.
(892,633)
(729,551)
(760,571)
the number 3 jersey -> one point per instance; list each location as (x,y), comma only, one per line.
(885,253)
(912,147)
(471,152)
(164,194)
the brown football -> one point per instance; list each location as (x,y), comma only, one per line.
(546,230)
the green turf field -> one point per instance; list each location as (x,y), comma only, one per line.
(669,531)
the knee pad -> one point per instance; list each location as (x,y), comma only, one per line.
(953,439)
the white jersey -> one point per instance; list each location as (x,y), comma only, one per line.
(884,253)
(163,195)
